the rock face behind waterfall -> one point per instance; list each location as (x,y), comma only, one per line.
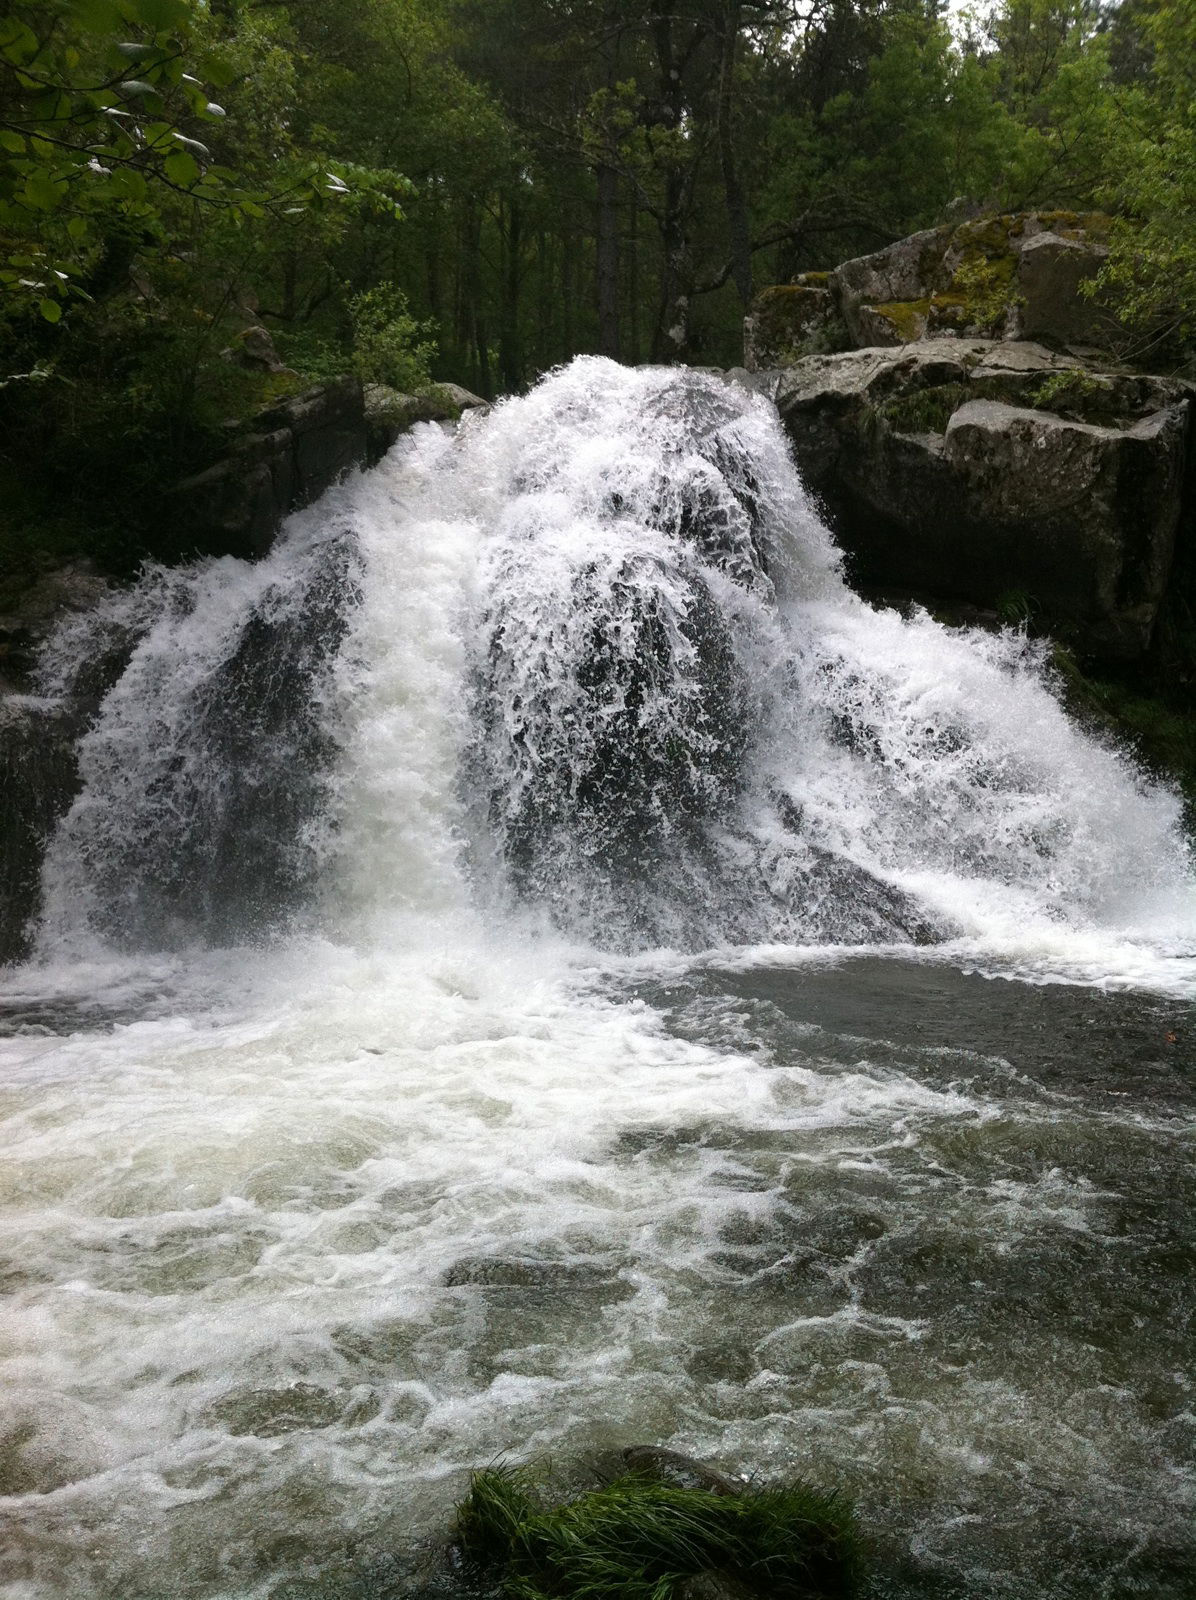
(1001,475)
(205,774)
(613,706)
(38,734)
(984,446)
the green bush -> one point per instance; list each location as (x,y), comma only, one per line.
(389,345)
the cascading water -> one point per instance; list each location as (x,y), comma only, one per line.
(450,1035)
(669,721)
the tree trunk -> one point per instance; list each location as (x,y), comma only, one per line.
(608,262)
(671,340)
(510,356)
(737,214)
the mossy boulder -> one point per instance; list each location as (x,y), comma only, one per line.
(782,320)
(1020,275)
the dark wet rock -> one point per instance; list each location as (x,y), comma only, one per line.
(293,453)
(677,1470)
(848,904)
(840,902)
(29,619)
(38,781)
(988,473)
(222,859)
(38,771)
(655,745)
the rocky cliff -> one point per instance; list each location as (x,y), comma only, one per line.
(979,443)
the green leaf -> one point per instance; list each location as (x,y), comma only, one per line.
(161,15)
(43,192)
(96,16)
(17,40)
(181,168)
(77,227)
(128,184)
(217,69)
(11,141)
(50,310)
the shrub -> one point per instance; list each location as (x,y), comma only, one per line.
(389,345)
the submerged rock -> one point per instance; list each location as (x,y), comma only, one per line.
(526,1272)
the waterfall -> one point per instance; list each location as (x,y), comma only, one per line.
(513,984)
(590,659)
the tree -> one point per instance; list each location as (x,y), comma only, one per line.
(1151,176)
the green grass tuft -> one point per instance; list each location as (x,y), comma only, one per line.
(637,1539)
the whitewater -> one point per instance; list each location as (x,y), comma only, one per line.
(536,965)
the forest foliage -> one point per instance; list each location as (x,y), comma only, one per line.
(476,190)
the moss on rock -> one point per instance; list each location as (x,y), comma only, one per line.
(783,321)
(907,317)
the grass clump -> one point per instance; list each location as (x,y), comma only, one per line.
(926,410)
(1070,393)
(639,1539)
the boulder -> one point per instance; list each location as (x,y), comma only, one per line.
(902,274)
(998,475)
(1051,271)
(785,318)
(390,413)
(1016,276)
(292,453)
(254,347)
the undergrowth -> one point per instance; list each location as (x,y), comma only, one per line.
(638,1539)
